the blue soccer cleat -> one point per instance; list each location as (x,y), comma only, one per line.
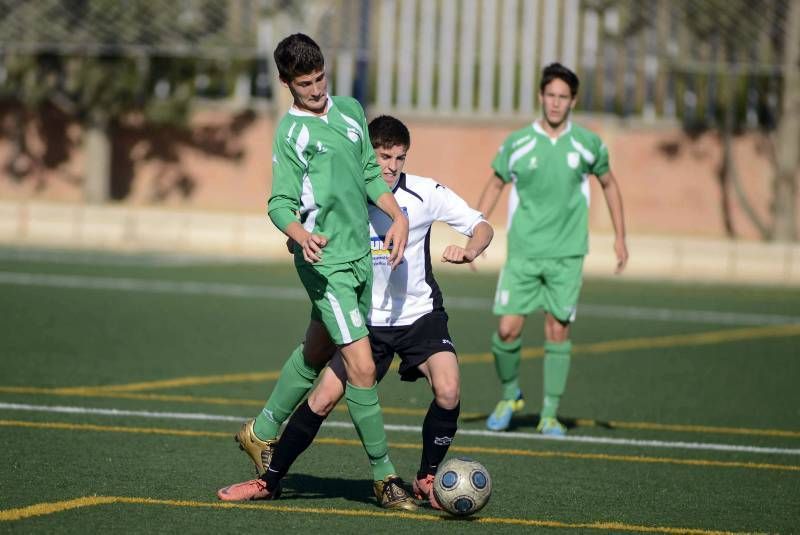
(551,427)
(501,417)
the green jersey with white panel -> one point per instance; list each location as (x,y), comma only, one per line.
(323,172)
(549,201)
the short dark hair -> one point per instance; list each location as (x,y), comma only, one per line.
(297,55)
(557,70)
(386,131)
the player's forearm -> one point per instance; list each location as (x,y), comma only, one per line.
(296,231)
(282,217)
(388,204)
(283,204)
(614,201)
(490,195)
(482,236)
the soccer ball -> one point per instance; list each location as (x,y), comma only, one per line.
(462,486)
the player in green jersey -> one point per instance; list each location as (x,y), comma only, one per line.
(324,173)
(548,164)
(407,316)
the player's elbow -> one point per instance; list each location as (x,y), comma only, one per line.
(607,181)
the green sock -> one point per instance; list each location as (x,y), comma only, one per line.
(294,382)
(506,361)
(365,411)
(556,370)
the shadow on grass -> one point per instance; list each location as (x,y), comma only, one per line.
(310,487)
(527,421)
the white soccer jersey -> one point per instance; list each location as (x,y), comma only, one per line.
(402,296)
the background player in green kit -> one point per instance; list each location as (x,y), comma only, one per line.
(324,172)
(548,164)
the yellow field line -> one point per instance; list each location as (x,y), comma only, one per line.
(127,391)
(180,381)
(115,429)
(398,411)
(685,428)
(712,337)
(706,338)
(406,445)
(582,422)
(656,342)
(94,393)
(47,508)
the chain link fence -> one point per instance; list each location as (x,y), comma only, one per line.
(651,59)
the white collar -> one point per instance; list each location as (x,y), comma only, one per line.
(303,113)
(538,129)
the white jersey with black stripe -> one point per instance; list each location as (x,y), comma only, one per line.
(402,296)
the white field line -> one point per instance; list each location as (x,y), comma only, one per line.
(155,260)
(297,294)
(707,446)
(152,286)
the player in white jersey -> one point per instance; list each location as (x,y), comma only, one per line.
(407,315)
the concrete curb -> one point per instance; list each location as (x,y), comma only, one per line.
(135,229)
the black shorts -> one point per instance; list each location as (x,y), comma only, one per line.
(414,343)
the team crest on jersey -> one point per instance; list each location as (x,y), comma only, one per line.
(355,318)
(321,148)
(573,159)
(533,164)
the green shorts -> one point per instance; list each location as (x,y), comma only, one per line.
(341,295)
(552,284)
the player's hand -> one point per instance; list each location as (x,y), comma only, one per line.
(621,251)
(312,247)
(290,243)
(458,255)
(396,240)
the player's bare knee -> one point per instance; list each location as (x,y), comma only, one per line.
(322,403)
(448,400)
(509,328)
(508,334)
(361,373)
(447,393)
(555,330)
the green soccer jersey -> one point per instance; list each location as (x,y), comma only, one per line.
(549,202)
(323,172)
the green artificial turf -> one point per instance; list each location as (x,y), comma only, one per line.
(110,332)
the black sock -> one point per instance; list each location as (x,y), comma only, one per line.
(298,435)
(438,430)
